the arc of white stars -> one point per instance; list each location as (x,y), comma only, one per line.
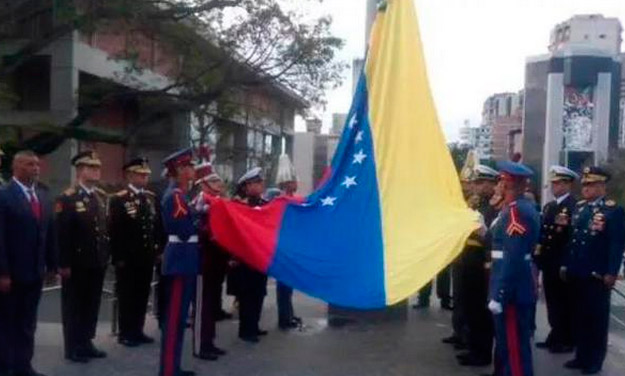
(328,201)
(359,157)
(359,136)
(353,121)
(349,181)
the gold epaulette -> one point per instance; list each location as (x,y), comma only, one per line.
(121,193)
(581,202)
(149,192)
(610,203)
(69,191)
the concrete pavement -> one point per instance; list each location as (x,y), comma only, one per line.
(410,348)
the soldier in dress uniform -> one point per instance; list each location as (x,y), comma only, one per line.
(592,266)
(247,284)
(287,183)
(512,293)
(84,255)
(214,262)
(180,259)
(475,275)
(550,255)
(458,337)
(134,229)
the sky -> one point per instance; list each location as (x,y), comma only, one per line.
(473,48)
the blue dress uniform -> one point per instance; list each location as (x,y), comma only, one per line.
(180,264)
(596,251)
(512,290)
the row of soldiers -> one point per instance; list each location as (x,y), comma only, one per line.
(77,236)
(576,245)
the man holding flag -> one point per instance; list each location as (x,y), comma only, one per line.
(512,295)
(180,259)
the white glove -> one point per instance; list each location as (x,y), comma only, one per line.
(495,307)
(200,205)
(483,229)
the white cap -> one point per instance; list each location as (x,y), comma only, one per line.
(256,172)
(562,173)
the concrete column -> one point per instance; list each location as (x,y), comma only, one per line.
(553,130)
(64,86)
(601,119)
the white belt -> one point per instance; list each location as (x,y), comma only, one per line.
(498,255)
(176,239)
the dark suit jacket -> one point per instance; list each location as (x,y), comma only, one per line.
(27,246)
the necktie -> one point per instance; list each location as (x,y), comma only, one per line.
(34,204)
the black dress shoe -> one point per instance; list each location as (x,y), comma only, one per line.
(543,345)
(223,315)
(561,349)
(250,339)
(262,332)
(288,325)
(90,351)
(217,351)
(186,373)
(446,305)
(207,356)
(128,342)
(460,346)
(451,340)
(573,364)
(474,361)
(143,339)
(591,370)
(77,357)
(30,372)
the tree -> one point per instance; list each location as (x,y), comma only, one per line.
(225,48)
(616,166)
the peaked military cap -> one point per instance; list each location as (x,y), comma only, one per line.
(483,172)
(204,173)
(87,158)
(561,173)
(255,173)
(514,169)
(595,174)
(138,165)
(182,157)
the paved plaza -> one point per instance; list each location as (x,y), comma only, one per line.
(407,348)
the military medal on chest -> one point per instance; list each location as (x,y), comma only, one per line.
(598,223)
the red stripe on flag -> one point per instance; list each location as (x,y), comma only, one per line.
(512,336)
(250,234)
(172,327)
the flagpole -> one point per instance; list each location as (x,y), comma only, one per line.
(372,7)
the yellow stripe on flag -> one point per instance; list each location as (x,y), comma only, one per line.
(424,217)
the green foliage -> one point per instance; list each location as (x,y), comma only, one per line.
(458,154)
(224,48)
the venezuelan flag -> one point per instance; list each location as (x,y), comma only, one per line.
(391,215)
